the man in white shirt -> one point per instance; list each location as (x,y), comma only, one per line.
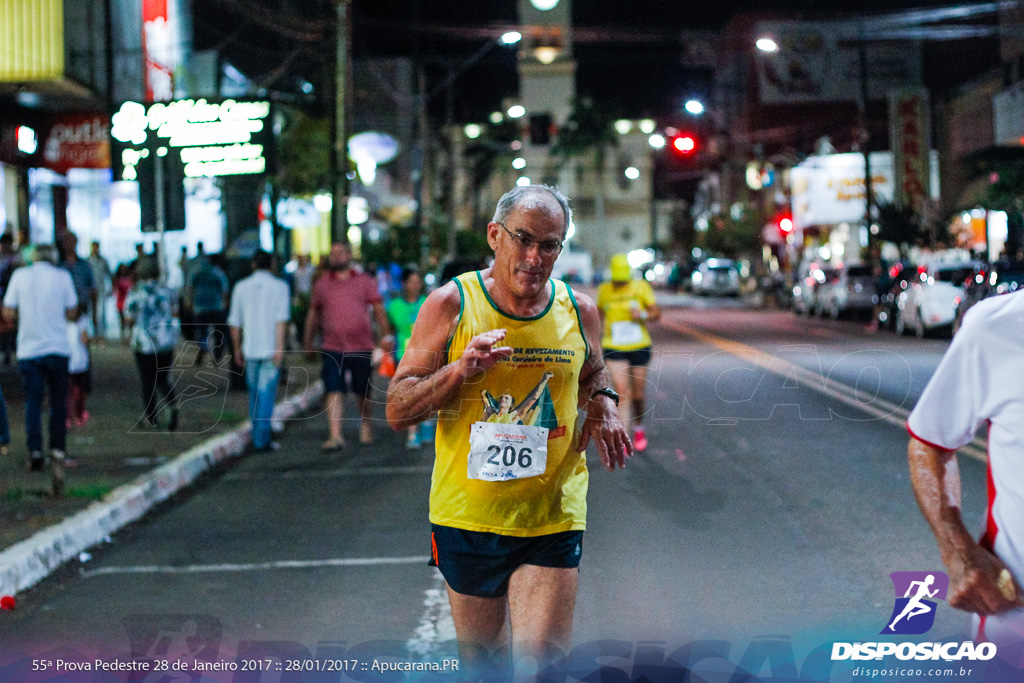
(41,298)
(977,384)
(260,307)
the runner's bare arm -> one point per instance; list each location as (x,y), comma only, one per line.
(424,380)
(602,424)
(974,572)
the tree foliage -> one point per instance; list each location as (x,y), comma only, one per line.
(900,225)
(730,236)
(305,152)
(588,130)
(1007,194)
(903,226)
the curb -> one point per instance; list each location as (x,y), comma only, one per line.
(28,562)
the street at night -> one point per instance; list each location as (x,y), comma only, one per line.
(307,306)
(769,503)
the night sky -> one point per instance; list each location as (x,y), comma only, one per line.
(628,53)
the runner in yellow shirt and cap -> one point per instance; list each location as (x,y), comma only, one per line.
(627,305)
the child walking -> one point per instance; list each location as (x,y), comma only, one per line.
(80,335)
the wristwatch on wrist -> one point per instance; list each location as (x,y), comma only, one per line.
(606,391)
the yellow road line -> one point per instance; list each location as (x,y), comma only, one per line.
(878,407)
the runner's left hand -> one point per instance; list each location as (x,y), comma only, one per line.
(606,429)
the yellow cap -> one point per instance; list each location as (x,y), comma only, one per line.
(620,268)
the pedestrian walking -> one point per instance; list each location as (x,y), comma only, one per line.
(259,325)
(207,298)
(103,280)
(340,311)
(508,493)
(150,314)
(627,305)
(123,282)
(402,313)
(41,298)
(80,335)
(81,272)
(10,260)
(302,292)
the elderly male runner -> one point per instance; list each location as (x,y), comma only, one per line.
(509,356)
(978,383)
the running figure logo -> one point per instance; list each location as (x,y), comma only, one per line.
(914,613)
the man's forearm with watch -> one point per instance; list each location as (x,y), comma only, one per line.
(596,384)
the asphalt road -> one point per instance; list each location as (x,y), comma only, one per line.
(771,506)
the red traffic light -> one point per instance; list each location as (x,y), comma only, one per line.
(786,225)
(684,144)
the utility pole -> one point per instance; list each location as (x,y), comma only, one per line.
(862,106)
(339,148)
(422,173)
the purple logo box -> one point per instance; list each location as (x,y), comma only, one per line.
(901,582)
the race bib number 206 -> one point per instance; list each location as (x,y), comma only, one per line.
(502,452)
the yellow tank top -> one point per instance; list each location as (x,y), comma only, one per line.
(537,386)
(621,332)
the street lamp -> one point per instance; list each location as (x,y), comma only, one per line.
(767,44)
(506,38)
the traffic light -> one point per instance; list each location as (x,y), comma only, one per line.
(684,144)
(785,224)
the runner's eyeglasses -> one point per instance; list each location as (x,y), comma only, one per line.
(524,242)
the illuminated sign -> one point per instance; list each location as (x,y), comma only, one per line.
(27,141)
(76,141)
(159,49)
(208,138)
(31,40)
(909,136)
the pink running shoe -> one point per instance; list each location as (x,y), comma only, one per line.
(640,439)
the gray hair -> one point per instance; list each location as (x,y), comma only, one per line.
(44,252)
(511,199)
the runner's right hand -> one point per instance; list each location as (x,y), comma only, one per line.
(481,354)
(974,583)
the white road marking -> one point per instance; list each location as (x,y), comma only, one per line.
(436,624)
(877,407)
(257,566)
(330,474)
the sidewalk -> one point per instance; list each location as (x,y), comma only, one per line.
(114,449)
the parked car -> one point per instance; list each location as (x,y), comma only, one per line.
(903,276)
(1000,278)
(847,289)
(811,277)
(930,302)
(718,277)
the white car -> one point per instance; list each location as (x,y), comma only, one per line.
(811,278)
(930,302)
(849,289)
(717,277)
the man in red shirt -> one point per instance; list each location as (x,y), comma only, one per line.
(340,311)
